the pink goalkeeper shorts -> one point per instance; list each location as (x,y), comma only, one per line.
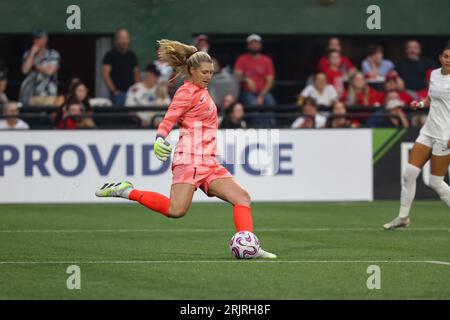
(199,175)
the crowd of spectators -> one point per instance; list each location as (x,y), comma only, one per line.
(242,92)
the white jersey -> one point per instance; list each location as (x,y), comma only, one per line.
(438,121)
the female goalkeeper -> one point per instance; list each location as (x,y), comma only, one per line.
(194,164)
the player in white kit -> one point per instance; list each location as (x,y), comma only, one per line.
(432,144)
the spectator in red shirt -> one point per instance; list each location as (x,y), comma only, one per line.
(359,93)
(74,118)
(345,65)
(395,83)
(256,73)
(333,73)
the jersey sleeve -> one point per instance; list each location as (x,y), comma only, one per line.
(180,104)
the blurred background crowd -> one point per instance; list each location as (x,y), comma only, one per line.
(339,93)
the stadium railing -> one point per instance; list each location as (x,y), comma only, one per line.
(126,117)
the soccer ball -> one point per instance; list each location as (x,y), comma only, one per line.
(244,245)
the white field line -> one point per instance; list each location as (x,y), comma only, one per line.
(440,262)
(221,262)
(210,230)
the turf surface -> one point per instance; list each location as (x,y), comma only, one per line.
(128,252)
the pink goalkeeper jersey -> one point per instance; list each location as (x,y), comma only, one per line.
(196,114)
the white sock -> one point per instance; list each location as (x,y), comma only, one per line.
(408,193)
(443,190)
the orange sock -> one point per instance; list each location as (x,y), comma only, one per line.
(242,217)
(152,200)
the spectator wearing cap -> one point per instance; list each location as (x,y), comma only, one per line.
(202,43)
(3,82)
(40,65)
(395,83)
(397,117)
(375,67)
(256,73)
(12,121)
(120,69)
(413,67)
(148,92)
(345,67)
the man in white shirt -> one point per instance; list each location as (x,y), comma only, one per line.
(148,93)
(11,120)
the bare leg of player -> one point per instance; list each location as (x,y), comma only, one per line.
(419,155)
(181,195)
(231,191)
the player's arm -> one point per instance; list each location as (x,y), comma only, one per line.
(424,103)
(180,103)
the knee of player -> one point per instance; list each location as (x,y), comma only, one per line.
(436,182)
(244,199)
(177,213)
(410,175)
(407,179)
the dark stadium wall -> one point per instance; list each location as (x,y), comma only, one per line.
(180,19)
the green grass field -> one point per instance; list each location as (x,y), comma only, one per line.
(128,252)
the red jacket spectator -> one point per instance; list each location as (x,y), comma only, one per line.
(256,67)
(402,95)
(334,75)
(395,83)
(345,65)
(359,93)
(367,97)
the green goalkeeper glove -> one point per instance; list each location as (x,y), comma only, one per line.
(162,149)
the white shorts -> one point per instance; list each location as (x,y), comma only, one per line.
(438,147)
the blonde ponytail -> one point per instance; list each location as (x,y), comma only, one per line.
(181,56)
